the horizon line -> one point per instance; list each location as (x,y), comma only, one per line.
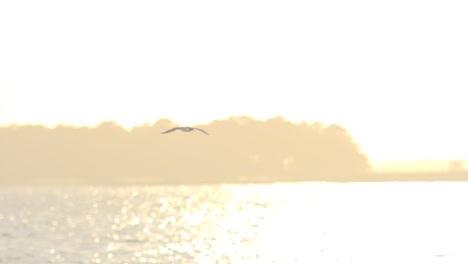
(148,122)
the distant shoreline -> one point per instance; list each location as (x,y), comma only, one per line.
(363,178)
(417,176)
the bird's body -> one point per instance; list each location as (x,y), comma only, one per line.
(185,129)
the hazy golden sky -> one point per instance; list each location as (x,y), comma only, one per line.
(394,73)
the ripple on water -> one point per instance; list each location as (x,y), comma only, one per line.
(303,223)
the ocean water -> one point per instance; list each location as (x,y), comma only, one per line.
(412,222)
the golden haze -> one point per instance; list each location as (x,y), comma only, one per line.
(238,150)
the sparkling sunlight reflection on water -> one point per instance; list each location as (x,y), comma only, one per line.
(279,223)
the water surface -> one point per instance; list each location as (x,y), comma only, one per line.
(412,222)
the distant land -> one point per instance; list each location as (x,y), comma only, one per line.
(415,165)
(238,150)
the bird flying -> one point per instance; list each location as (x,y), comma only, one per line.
(185,129)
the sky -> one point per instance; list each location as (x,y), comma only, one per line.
(393,73)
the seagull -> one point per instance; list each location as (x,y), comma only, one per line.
(184,129)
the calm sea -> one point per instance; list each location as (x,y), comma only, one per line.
(415,222)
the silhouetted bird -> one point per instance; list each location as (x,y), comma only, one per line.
(184,129)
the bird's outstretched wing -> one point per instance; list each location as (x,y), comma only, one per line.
(170,130)
(201,130)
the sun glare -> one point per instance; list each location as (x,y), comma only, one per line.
(397,86)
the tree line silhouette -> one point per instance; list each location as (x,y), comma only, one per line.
(238,149)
